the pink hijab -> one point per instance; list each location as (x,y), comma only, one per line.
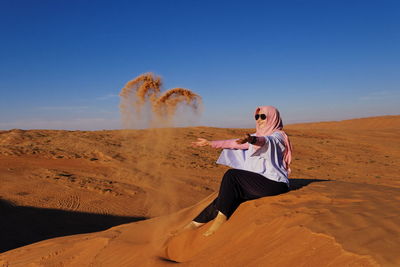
(274,124)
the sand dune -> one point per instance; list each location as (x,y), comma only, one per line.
(343,209)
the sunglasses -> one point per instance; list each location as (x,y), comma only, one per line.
(262,116)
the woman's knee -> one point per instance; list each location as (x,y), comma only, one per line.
(232,172)
(229,174)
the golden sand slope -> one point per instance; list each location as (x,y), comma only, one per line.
(342,213)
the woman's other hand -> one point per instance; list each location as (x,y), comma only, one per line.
(245,139)
(201,142)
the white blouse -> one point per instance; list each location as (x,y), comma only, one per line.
(267,160)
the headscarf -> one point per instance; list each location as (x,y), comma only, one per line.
(274,124)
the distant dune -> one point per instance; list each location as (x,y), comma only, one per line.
(111,198)
(390,122)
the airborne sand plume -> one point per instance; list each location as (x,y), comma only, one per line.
(142,95)
(143,104)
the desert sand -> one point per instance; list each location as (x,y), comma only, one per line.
(112,198)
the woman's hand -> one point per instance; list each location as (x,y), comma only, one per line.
(245,139)
(201,142)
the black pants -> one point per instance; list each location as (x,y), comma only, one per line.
(238,186)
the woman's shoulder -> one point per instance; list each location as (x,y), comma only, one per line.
(278,136)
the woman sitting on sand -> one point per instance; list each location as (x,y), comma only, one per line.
(260,165)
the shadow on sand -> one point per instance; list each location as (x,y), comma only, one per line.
(297,183)
(20,226)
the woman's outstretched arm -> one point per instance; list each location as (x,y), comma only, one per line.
(232,144)
(242,143)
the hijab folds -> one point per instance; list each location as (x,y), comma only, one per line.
(274,124)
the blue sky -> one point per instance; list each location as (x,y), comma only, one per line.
(63,63)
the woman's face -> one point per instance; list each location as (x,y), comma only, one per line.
(261,120)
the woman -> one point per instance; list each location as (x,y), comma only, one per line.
(260,165)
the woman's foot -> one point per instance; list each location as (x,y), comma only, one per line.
(217,223)
(190,226)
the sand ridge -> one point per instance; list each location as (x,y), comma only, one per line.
(342,211)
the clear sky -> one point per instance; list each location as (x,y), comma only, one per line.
(63,63)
